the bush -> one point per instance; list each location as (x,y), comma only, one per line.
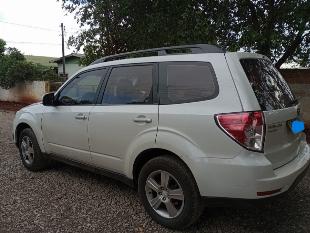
(5,64)
(21,71)
(15,69)
(45,73)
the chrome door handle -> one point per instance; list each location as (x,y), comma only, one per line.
(142,119)
(80,117)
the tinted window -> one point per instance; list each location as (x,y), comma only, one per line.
(82,89)
(188,82)
(271,90)
(129,85)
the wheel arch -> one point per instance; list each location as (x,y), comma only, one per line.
(19,128)
(26,120)
(149,154)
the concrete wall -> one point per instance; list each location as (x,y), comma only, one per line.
(29,92)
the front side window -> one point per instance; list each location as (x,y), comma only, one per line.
(186,82)
(129,85)
(271,90)
(82,90)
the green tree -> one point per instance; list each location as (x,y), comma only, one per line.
(279,29)
(15,69)
(2,47)
(15,54)
(18,72)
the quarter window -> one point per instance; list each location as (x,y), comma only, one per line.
(186,82)
(82,90)
(129,85)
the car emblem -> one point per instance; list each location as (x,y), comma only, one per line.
(298,111)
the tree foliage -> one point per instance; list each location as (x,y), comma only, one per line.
(15,69)
(279,29)
(2,47)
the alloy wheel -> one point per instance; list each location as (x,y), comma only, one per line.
(164,194)
(27,150)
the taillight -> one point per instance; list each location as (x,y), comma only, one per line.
(246,128)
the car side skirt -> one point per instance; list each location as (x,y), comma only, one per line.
(100,171)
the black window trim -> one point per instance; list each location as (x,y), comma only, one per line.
(104,75)
(155,82)
(163,81)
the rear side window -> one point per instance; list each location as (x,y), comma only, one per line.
(129,85)
(271,90)
(184,82)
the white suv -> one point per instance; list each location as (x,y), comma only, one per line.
(179,123)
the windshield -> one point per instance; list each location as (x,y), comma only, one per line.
(271,90)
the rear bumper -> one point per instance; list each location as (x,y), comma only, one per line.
(249,176)
(287,176)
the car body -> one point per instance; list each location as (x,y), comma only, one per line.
(193,125)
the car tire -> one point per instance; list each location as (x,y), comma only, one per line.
(31,155)
(159,196)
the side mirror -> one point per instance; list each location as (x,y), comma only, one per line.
(49,99)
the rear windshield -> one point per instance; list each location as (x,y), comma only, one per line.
(271,90)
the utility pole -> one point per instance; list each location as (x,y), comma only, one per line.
(63,50)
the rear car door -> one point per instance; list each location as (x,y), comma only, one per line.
(65,125)
(128,111)
(191,93)
(280,107)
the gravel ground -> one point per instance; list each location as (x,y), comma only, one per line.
(67,199)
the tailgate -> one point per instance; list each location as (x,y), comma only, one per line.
(280,107)
(281,145)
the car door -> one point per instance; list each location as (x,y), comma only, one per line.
(127,112)
(65,125)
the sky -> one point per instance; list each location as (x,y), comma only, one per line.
(33,26)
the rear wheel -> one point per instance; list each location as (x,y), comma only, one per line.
(30,153)
(169,192)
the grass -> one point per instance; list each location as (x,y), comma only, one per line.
(41,60)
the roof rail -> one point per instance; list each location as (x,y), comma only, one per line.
(194,49)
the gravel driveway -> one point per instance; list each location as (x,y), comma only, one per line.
(67,199)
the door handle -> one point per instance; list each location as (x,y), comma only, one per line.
(80,117)
(142,119)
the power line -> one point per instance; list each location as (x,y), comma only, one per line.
(36,27)
(30,26)
(29,42)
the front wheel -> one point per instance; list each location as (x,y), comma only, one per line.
(169,192)
(30,153)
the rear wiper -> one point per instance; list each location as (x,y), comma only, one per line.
(296,101)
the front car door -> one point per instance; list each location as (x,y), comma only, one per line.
(128,112)
(65,125)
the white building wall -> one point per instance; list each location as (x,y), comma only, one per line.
(70,69)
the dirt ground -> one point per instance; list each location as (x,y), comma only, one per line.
(11,106)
